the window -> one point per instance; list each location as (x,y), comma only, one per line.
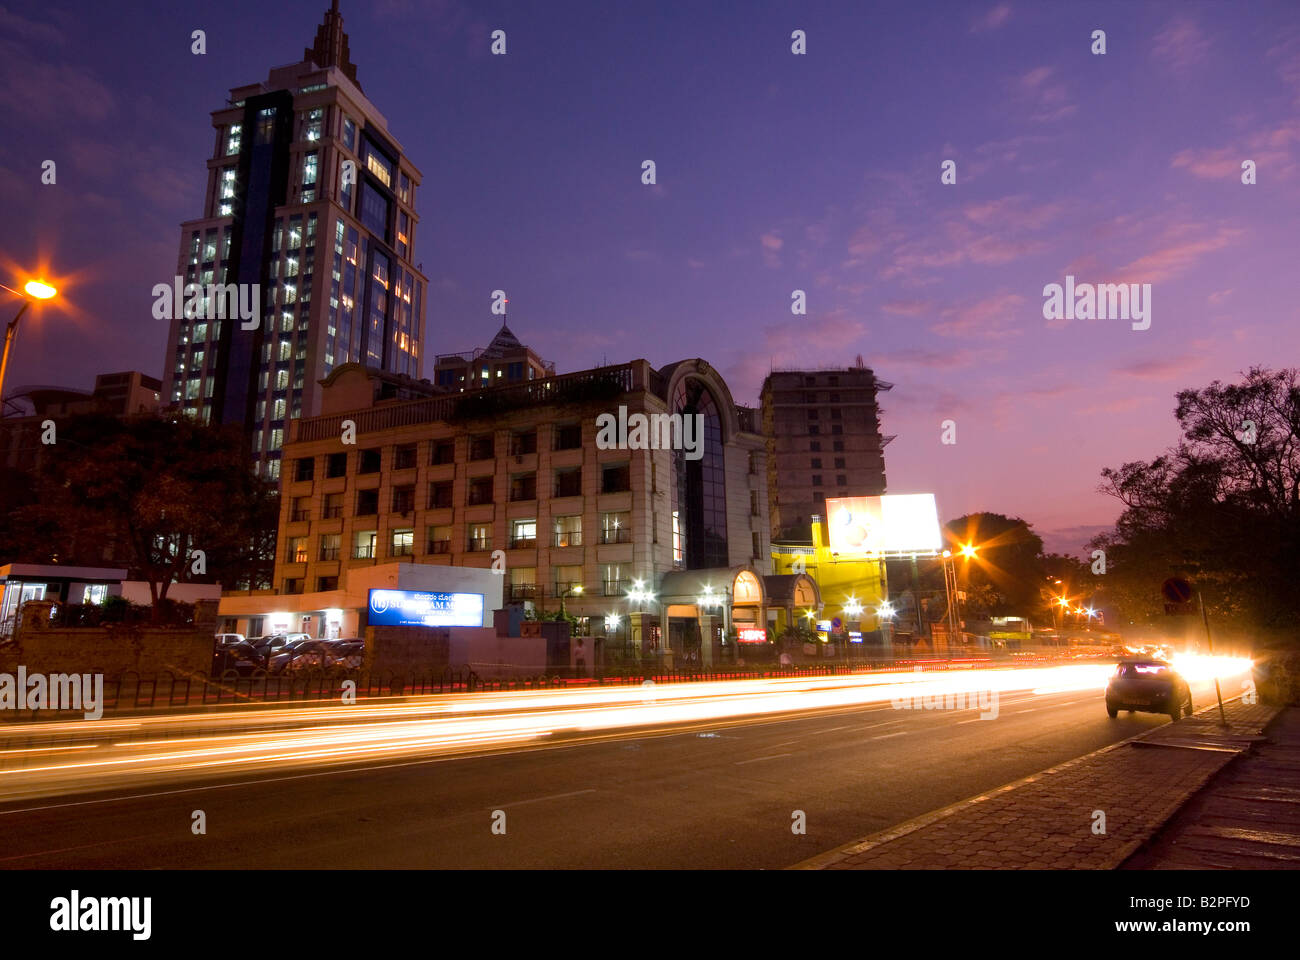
(616,527)
(94,593)
(293,585)
(757,544)
(679,540)
(402,543)
(481,447)
(440,495)
(404,499)
(301,508)
(444,451)
(523,583)
(329,546)
(568,580)
(336,465)
(374,211)
(615,477)
(296,550)
(568,436)
(379,165)
(332,506)
(309,168)
(816,463)
(523,533)
(753,503)
(612,580)
(367,502)
(480,536)
(233,135)
(404,457)
(523,443)
(568,531)
(568,483)
(349,133)
(368,461)
(440,539)
(305,467)
(480,491)
(363,544)
(813,429)
(312,120)
(523,487)
(327,583)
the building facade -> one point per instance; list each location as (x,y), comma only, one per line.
(822,429)
(311,199)
(515,480)
(502,362)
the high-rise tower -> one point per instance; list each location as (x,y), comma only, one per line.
(310,198)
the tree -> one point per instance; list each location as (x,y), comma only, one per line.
(1221,507)
(172,500)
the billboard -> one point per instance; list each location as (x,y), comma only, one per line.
(420,608)
(875,526)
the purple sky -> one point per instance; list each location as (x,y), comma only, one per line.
(775,172)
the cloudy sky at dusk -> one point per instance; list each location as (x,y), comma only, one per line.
(775,172)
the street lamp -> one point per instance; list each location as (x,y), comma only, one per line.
(35,290)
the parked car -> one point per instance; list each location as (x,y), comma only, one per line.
(302,655)
(348,653)
(1149,685)
(225,639)
(241,657)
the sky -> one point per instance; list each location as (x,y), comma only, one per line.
(775,172)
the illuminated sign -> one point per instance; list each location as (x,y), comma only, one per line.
(892,524)
(855,636)
(752,635)
(412,608)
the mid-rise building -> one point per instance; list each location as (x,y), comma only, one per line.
(633,541)
(312,199)
(822,429)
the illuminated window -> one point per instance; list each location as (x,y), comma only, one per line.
(233,133)
(312,123)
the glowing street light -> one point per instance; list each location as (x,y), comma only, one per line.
(968,551)
(35,290)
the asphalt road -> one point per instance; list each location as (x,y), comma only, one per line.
(707,795)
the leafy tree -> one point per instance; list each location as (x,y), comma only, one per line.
(1222,506)
(147,493)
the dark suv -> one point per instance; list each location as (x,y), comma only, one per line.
(1152,686)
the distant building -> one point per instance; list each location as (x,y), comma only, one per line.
(822,429)
(115,395)
(309,197)
(502,362)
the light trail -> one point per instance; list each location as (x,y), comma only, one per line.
(138,751)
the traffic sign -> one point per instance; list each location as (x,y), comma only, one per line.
(1180,609)
(1177,590)
(837,623)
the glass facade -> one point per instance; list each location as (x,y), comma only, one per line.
(700,496)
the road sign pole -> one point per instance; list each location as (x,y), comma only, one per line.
(1210,643)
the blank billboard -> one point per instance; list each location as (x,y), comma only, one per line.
(892,524)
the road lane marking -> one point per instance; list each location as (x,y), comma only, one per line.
(976,720)
(886,736)
(775,756)
(554,796)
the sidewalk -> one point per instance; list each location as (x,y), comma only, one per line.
(1046,821)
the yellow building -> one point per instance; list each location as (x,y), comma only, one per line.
(852,590)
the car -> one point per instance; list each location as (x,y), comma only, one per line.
(299,655)
(347,654)
(1149,685)
(226,639)
(241,657)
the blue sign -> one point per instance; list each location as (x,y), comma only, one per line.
(855,636)
(413,608)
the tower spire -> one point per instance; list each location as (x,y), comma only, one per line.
(331,46)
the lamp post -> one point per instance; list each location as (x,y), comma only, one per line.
(35,290)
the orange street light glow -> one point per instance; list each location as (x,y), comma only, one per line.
(39,290)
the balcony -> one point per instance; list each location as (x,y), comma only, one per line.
(477,544)
(614,588)
(617,535)
(329,553)
(571,538)
(332,512)
(401,550)
(363,551)
(297,515)
(524,591)
(523,543)
(440,546)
